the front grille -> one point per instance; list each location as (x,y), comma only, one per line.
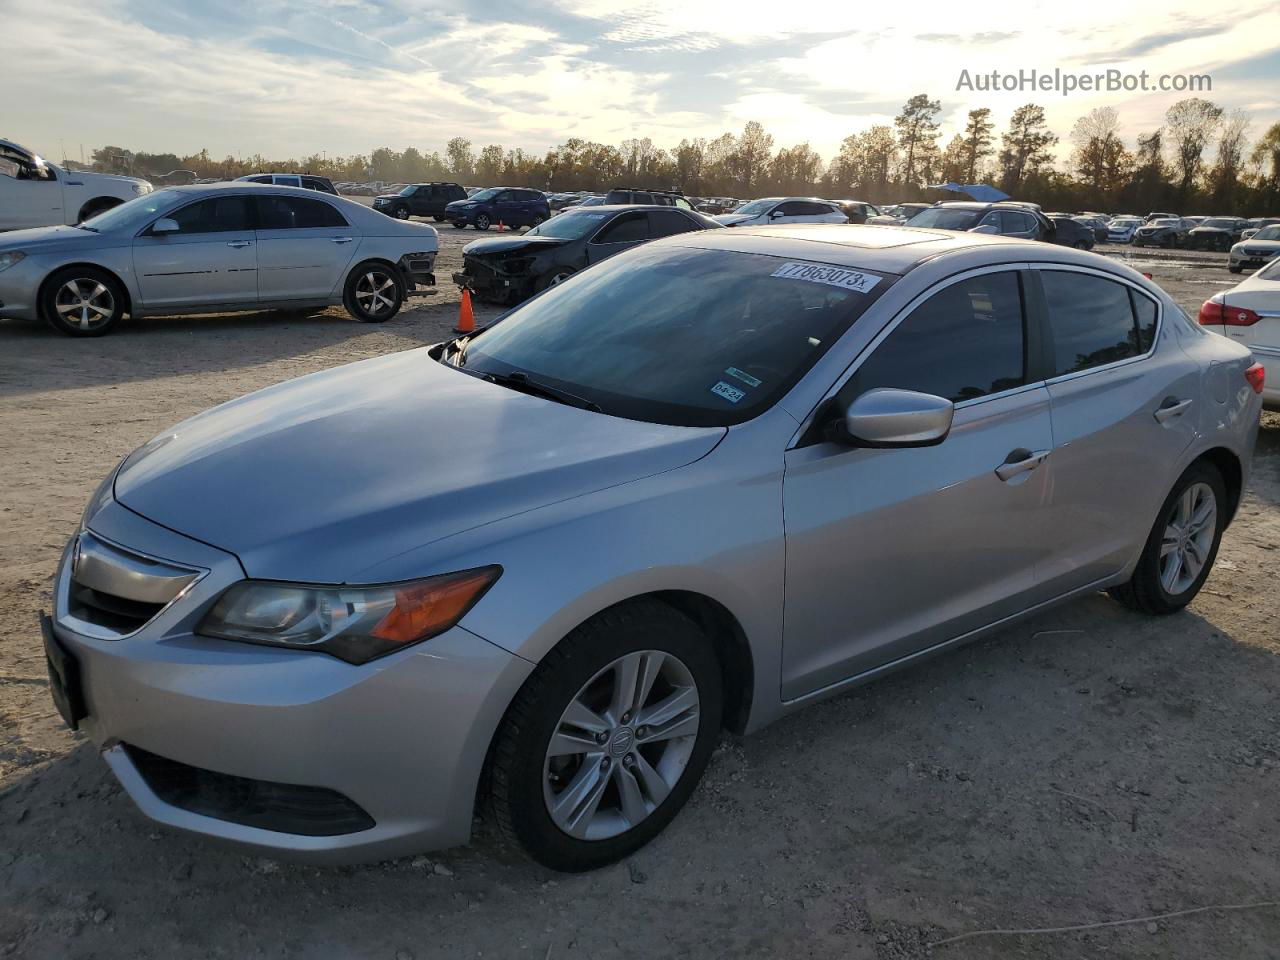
(119,590)
(108,610)
(280,807)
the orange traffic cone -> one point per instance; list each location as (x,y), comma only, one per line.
(501,228)
(466,319)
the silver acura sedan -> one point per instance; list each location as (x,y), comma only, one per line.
(698,486)
(214,249)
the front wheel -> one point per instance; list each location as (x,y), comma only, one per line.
(555,277)
(483,222)
(1183,544)
(374,292)
(1235,269)
(607,739)
(402,213)
(82,302)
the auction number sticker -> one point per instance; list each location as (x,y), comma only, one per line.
(732,394)
(841,277)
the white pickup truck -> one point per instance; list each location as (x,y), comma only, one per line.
(36,193)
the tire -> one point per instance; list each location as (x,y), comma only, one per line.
(538,220)
(459,224)
(400,213)
(1235,269)
(438,218)
(1151,590)
(1080,245)
(95,207)
(374,292)
(82,302)
(581,675)
(554,277)
(483,222)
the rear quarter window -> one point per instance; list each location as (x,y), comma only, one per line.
(1093,320)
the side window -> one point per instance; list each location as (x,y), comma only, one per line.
(965,341)
(683,204)
(1144,313)
(992,219)
(637,197)
(1092,320)
(792,208)
(266,178)
(296,213)
(627,228)
(215,215)
(530,196)
(506,196)
(665,223)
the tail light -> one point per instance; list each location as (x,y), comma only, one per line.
(1257,376)
(1215,310)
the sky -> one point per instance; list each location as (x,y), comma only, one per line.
(290,79)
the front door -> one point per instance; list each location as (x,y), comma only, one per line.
(890,552)
(211,259)
(1122,412)
(304,247)
(620,233)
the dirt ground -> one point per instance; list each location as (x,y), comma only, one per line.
(1090,766)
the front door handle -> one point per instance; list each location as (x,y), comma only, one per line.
(339,239)
(1021,461)
(1172,407)
(239,243)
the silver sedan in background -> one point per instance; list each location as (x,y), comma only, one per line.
(697,486)
(214,248)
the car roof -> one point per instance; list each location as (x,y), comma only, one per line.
(891,249)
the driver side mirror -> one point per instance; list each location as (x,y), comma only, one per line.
(775,214)
(164,225)
(887,417)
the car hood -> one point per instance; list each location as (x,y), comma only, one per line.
(44,238)
(492,245)
(320,478)
(729,219)
(389,196)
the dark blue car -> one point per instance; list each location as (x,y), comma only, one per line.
(510,206)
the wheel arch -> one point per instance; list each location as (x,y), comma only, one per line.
(82,264)
(1228,464)
(97,205)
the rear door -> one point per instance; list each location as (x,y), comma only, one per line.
(621,233)
(1125,406)
(304,246)
(211,259)
(666,223)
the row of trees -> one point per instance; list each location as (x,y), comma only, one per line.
(1199,160)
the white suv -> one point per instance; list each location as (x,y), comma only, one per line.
(784,210)
(36,193)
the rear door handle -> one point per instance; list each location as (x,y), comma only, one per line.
(339,239)
(1021,461)
(239,243)
(1171,408)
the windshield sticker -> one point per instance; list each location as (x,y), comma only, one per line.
(835,276)
(732,394)
(746,378)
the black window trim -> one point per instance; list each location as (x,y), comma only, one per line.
(1034,346)
(608,224)
(253,214)
(1047,337)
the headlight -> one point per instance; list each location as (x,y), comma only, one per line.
(355,624)
(7,260)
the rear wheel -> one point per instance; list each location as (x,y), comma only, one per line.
(608,738)
(82,302)
(438,218)
(1183,544)
(374,292)
(459,224)
(1235,269)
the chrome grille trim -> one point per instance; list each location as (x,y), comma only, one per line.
(108,569)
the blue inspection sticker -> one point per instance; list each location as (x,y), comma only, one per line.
(732,394)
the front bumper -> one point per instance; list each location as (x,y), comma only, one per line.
(1250,261)
(19,287)
(487,283)
(403,738)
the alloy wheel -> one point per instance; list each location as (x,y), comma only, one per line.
(375,293)
(1188,538)
(621,745)
(560,278)
(402,213)
(84,303)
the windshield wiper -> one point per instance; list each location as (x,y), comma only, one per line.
(519,380)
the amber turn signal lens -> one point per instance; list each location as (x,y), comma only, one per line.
(432,606)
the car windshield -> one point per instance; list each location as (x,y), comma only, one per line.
(679,335)
(945,218)
(1267,233)
(570,225)
(1222,224)
(487,194)
(756,207)
(131,211)
(1166,223)
(409,190)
